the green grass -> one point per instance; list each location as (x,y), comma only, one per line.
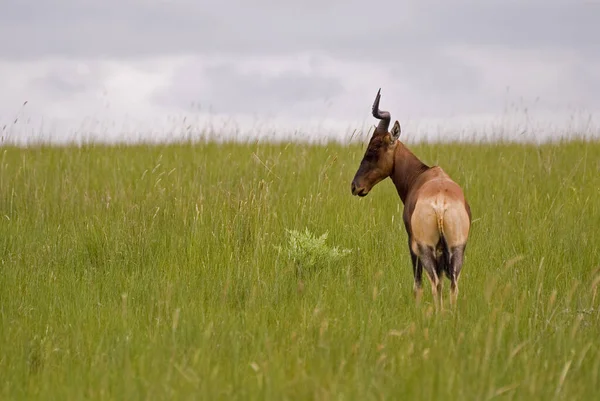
(153,273)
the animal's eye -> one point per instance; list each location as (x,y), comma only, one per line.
(372,154)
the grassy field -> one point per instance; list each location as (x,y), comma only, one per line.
(154,273)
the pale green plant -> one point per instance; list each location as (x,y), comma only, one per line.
(309,251)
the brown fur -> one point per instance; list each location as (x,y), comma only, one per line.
(436,216)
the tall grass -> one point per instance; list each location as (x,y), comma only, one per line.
(153,272)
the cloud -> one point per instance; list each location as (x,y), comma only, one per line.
(225,88)
(296,63)
(349,29)
(63,79)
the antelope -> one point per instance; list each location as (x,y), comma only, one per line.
(436,215)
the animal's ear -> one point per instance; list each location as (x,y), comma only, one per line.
(395,130)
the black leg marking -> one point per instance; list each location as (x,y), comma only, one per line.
(417,270)
(429,262)
(456,262)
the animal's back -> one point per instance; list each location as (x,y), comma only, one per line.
(439,210)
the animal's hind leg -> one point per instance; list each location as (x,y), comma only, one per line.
(456,262)
(441,263)
(427,258)
(417,273)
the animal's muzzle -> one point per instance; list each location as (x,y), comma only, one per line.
(357,190)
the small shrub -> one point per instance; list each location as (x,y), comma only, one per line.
(309,251)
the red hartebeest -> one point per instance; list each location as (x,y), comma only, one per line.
(436,214)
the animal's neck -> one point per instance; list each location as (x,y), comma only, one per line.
(407,167)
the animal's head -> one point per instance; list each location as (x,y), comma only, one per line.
(378,161)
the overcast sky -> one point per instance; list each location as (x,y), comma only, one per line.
(130,69)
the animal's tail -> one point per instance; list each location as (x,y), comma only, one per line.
(444,245)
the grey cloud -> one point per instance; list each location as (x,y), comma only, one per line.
(586,84)
(391,30)
(438,82)
(439,72)
(67,79)
(225,89)
(417,47)
(519,24)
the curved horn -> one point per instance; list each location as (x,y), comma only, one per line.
(384,116)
